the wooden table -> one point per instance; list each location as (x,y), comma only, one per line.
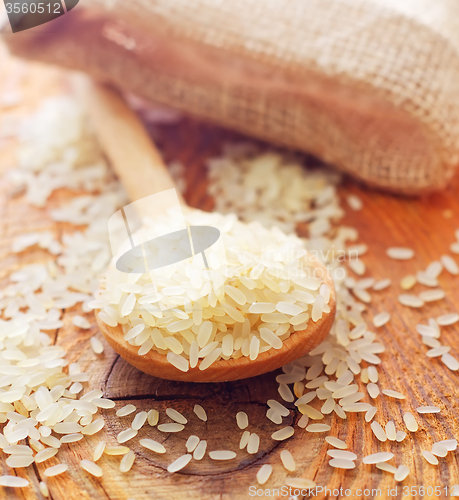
(425,224)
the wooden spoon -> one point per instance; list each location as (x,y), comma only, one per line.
(134,156)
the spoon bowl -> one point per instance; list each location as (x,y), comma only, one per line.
(297,345)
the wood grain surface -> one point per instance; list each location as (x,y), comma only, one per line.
(426,224)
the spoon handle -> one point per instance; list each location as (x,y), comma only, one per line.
(124,140)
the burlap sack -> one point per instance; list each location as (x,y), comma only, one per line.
(371,86)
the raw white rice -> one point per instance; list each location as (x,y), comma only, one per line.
(354,202)
(236,305)
(287,460)
(386,467)
(280,408)
(410,422)
(382,284)
(152,445)
(357,407)
(393,394)
(264,473)
(285,393)
(300,482)
(428,409)
(242,420)
(302,422)
(373,390)
(55,470)
(347,455)
(400,436)
(318,428)
(244,440)
(45,454)
(336,442)
(91,467)
(125,410)
(390,431)
(13,482)
(200,450)
(432,295)
(126,435)
(450,264)
(222,455)
(439,450)
(408,282)
(139,420)
(81,322)
(370,414)
(253,444)
(43,489)
(375,458)
(191,443)
(448,319)
(283,433)
(400,253)
(67,428)
(373,374)
(96,345)
(94,427)
(180,463)
(185,334)
(425,279)
(401,473)
(410,300)
(170,427)
(342,463)
(434,269)
(378,431)
(178,361)
(16,461)
(426,330)
(71,438)
(200,412)
(450,444)
(438,351)
(176,416)
(451,362)
(99,450)
(311,412)
(127,462)
(430,457)
(153,417)
(381,319)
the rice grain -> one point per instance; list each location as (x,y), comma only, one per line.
(127,462)
(430,457)
(180,463)
(176,416)
(401,473)
(284,433)
(287,460)
(264,473)
(91,467)
(200,412)
(152,445)
(200,450)
(242,420)
(342,463)
(410,422)
(56,470)
(222,455)
(336,442)
(377,457)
